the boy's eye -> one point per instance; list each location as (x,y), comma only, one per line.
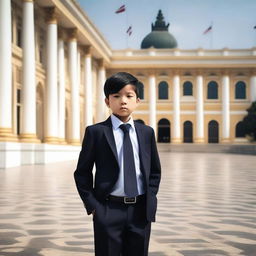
(116,96)
(130,96)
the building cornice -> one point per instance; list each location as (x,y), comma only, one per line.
(245,61)
(186,52)
(88,34)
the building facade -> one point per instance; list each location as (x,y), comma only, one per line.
(53,65)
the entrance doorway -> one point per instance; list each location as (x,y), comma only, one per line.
(213,132)
(164,131)
(187,132)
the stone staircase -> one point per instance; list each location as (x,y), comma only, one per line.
(248,149)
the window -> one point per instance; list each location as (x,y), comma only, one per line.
(212,90)
(187,89)
(163,91)
(240,90)
(19,32)
(141,90)
(18,110)
(18,96)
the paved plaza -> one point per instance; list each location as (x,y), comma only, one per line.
(207,207)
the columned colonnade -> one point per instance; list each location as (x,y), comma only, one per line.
(55,84)
(225,102)
(55,79)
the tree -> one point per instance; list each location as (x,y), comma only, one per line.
(249,122)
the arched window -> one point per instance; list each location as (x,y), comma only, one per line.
(187,132)
(18,110)
(212,90)
(187,89)
(240,90)
(164,130)
(141,90)
(163,90)
(19,32)
(240,130)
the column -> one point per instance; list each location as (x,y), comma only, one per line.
(78,68)
(28,97)
(225,109)
(101,107)
(88,93)
(199,109)
(75,100)
(5,70)
(61,89)
(152,101)
(253,86)
(176,109)
(51,78)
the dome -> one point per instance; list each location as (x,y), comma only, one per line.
(159,38)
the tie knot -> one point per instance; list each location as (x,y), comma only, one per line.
(125,127)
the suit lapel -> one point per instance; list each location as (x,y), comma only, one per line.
(108,131)
(141,141)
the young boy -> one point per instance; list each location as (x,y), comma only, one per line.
(122,198)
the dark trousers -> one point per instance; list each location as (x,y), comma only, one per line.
(121,229)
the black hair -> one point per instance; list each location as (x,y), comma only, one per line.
(116,82)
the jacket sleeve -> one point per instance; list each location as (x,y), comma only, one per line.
(84,172)
(155,170)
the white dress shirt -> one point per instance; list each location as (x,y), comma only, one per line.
(119,135)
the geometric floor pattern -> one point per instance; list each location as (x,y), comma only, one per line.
(206,207)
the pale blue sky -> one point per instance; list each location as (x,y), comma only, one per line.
(233,21)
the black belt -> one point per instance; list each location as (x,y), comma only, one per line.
(126,200)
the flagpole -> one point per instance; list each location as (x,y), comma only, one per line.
(211,38)
(126,34)
(254,43)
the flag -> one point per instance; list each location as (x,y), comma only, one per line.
(129,30)
(207,30)
(120,9)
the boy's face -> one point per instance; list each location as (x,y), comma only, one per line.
(123,103)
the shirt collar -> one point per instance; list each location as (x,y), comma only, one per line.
(116,122)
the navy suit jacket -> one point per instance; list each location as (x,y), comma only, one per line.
(99,148)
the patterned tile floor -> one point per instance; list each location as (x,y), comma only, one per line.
(207,207)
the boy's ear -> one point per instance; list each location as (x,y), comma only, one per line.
(138,100)
(107,101)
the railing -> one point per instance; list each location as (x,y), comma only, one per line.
(179,52)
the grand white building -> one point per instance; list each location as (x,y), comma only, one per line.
(53,65)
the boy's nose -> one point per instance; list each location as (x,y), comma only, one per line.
(123,100)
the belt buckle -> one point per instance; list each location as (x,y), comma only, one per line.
(130,200)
